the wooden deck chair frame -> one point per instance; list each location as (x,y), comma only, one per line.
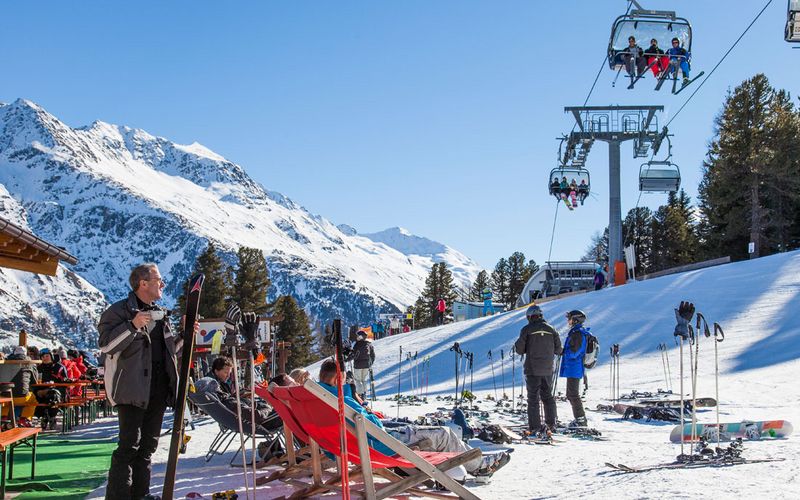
(360,427)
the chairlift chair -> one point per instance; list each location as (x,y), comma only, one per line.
(792,33)
(570,172)
(659,177)
(645,25)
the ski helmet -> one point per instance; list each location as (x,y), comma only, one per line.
(533,312)
(577,315)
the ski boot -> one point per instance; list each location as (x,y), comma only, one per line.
(579,422)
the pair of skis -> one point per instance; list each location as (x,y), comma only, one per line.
(177,440)
(691,464)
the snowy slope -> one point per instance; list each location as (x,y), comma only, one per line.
(60,309)
(755,301)
(116,196)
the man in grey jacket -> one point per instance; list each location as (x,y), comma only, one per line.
(141,378)
(539,342)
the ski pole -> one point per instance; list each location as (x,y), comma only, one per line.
(661,348)
(513,383)
(399,376)
(463,368)
(616,353)
(241,427)
(683,418)
(456,350)
(494,383)
(503,372)
(719,336)
(611,374)
(669,371)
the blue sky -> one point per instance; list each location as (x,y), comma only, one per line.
(436,116)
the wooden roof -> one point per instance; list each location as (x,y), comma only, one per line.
(21,249)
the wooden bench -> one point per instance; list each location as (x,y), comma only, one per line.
(9,440)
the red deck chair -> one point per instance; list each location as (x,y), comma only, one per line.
(316,409)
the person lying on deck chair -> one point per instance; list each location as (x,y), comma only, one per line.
(430,438)
(266,421)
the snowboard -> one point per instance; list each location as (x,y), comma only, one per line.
(747,430)
(192,305)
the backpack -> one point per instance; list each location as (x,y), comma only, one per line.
(592,351)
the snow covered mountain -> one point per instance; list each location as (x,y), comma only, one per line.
(51,309)
(116,196)
(464,269)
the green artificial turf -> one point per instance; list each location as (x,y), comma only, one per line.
(65,468)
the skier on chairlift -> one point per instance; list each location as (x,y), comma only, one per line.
(656,60)
(679,57)
(633,58)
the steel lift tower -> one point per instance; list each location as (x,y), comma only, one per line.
(613,125)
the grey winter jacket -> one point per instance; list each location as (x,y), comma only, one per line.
(128,363)
(539,342)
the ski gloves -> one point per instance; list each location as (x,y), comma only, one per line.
(250,322)
(232,321)
(235,321)
(683,315)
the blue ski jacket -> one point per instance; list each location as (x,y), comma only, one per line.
(574,351)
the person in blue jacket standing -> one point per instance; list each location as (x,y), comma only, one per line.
(572,363)
(488,308)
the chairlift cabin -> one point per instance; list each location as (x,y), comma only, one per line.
(579,175)
(659,177)
(792,33)
(645,25)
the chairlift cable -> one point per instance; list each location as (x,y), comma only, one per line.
(553,232)
(720,62)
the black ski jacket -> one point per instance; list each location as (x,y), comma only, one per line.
(128,363)
(539,342)
(363,355)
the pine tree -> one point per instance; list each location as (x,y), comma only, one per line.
(478,286)
(638,230)
(530,269)
(216,287)
(516,277)
(749,190)
(438,285)
(597,251)
(677,242)
(293,327)
(251,280)
(423,314)
(500,283)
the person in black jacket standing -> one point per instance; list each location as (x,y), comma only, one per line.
(540,343)
(141,377)
(363,356)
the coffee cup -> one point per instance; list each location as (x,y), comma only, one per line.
(156,315)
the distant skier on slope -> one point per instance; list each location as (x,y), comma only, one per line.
(441,307)
(572,363)
(488,308)
(363,356)
(539,342)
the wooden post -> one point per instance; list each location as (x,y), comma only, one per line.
(283,355)
(23,338)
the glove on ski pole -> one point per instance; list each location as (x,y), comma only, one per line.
(232,321)
(250,321)
(683,315)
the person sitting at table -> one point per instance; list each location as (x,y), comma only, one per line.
(77,360)
(52,371)
(24,399)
